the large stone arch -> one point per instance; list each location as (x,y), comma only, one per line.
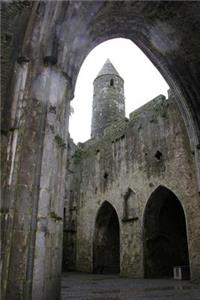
(159,29)
(56,36)
(165,234)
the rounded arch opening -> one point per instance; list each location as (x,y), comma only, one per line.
(133,66)
(106,243)
(165,236)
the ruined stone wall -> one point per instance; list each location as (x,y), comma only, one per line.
(33,192)
(70,208)
(14,20)
(34,159)
(46,42)
(133,158)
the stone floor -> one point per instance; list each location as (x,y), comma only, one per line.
(79,286)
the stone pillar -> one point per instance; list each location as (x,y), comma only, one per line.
(49,228)
(34,191)
(15,219)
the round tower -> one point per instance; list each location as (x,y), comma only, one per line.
(108,99)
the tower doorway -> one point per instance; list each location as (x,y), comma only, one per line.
(106,247)
(165,238)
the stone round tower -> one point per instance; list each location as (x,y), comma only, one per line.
(108,99)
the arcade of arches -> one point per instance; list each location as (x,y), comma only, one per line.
(43,46)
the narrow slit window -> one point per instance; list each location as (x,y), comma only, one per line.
(111,82)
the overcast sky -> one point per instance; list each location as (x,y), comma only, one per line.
(142,82)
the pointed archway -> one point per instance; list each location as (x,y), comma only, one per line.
(106,247)
(165,238)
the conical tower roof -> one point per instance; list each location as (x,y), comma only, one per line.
(108,68)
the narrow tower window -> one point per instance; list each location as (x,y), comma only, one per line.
(111,82)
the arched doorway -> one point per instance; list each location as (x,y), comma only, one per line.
(165,238)
(106,247)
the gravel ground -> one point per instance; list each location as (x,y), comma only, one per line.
(81,286)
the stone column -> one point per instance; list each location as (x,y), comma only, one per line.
(34,191)
(49,228)
(15,219)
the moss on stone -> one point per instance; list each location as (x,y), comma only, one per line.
(60,142)
(55,216)
(77,156)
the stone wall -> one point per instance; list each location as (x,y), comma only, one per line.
(33,192)
(14,20)
(36,94)
(131,160)
(53,38)
(70,208)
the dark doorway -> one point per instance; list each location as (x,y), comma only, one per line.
(165,238)
(106,248)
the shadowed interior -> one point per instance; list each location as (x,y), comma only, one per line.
(165,239)
(106,255)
